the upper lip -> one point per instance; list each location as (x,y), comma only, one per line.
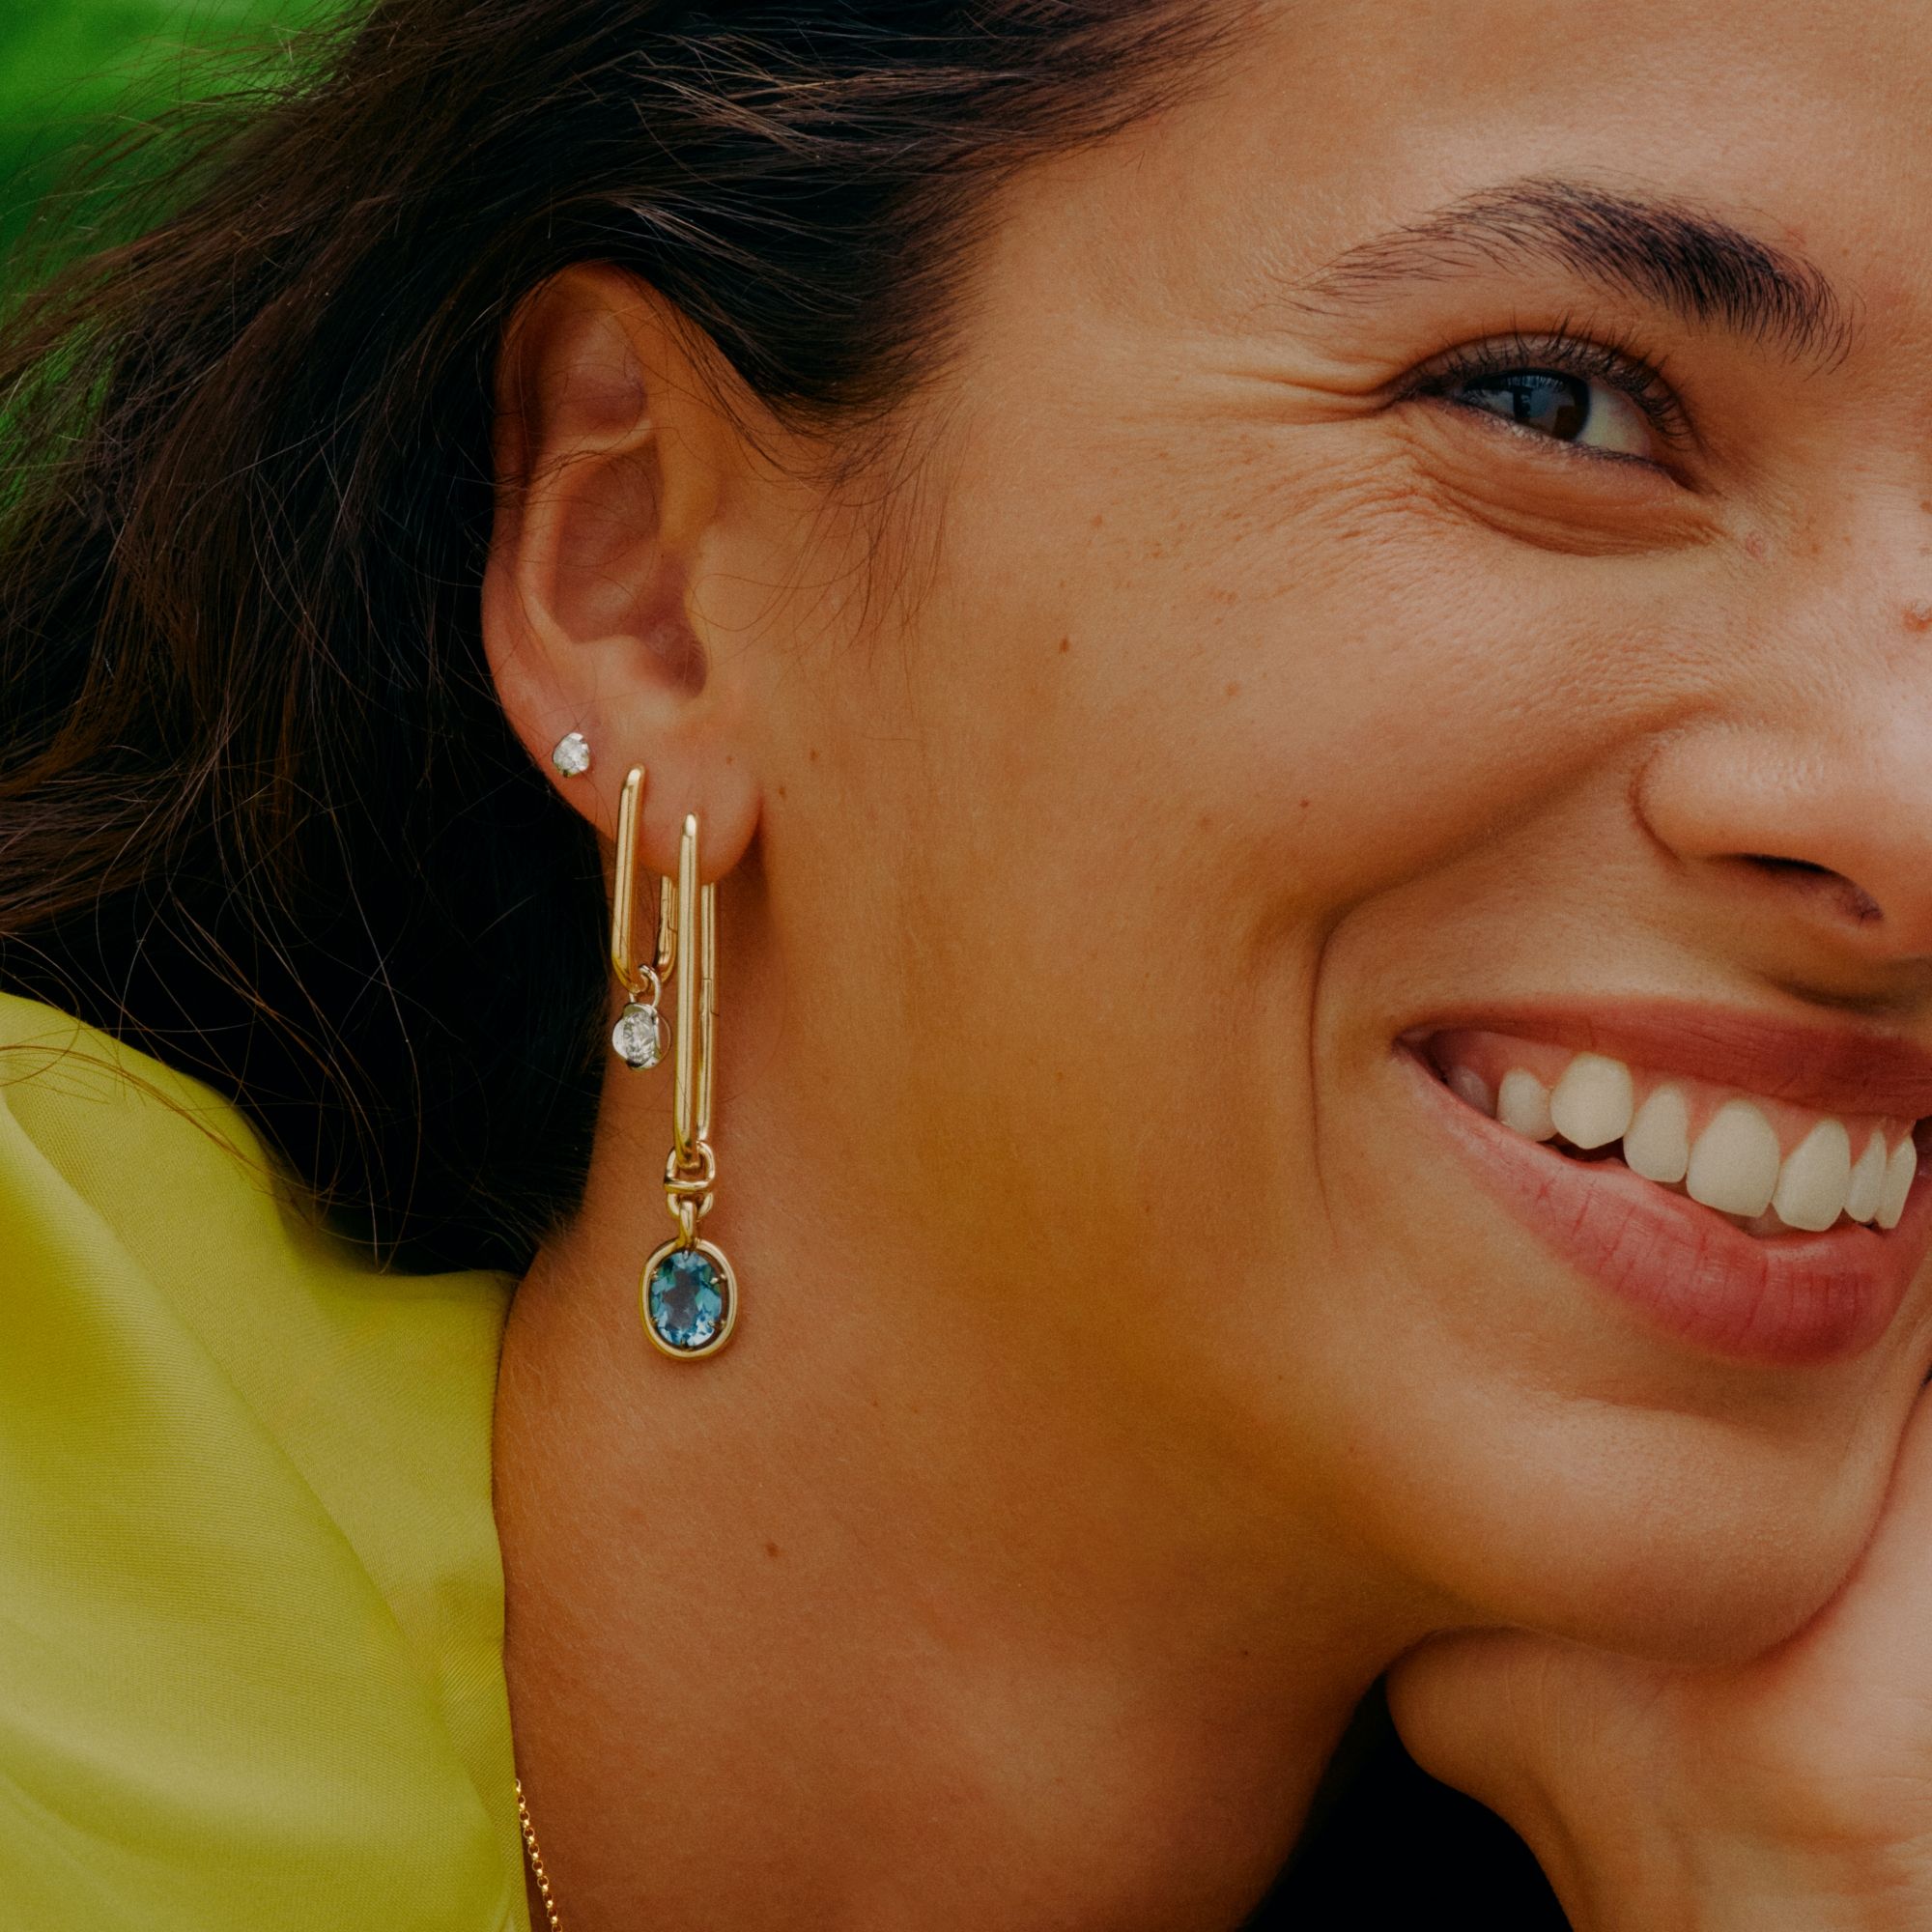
(1833,1069)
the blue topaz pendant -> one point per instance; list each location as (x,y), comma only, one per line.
(690,1298)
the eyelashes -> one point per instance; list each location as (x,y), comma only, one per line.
(1593,357)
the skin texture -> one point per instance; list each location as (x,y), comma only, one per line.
(1790,1791)
(1128,1370)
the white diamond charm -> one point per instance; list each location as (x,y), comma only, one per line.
(639,1037)
(572,756)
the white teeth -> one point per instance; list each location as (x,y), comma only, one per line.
(1734,1165)
(1522,1104)
(1657,1146)
(1868,1186)
(1591,1106)
(1816,1175)
(1900,1171)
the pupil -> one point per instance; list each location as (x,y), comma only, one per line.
(1541,399)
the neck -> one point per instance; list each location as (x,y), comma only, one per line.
(884,1616)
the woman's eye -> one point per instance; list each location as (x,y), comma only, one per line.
(1567,408)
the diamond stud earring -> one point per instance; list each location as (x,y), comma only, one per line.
(572,756)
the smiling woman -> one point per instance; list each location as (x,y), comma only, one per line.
(915,915)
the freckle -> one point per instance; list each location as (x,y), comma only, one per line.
(782,791)
(1235,690)
(814,754)
(1304,805)
(1205,822)
(1066,643)
(771,1550)
(1099,518)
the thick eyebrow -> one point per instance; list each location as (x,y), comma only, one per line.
(1665,253)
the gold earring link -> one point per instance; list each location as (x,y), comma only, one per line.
(639,1037)
(624,897)
(708,926)
(693,1147)
(689,1294)
(697,1005)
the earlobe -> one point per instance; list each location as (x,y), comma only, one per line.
(612,458)
(724,800)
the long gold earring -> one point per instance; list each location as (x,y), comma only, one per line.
(637,1038)
(689,1291)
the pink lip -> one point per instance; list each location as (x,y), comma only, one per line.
(1791,1301)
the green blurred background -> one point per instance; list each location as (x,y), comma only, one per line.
(76,71)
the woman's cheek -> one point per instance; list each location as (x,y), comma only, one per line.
(1391,680)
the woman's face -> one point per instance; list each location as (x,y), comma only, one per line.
(1424,566)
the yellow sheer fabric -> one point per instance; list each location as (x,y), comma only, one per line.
(250,1595)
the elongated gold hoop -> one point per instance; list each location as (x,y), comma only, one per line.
(689,1291)
(637,1038)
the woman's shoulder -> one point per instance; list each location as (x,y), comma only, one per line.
(253,1672)
(111,1161)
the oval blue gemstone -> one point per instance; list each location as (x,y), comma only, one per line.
(687,1302)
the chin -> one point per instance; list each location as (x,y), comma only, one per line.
(1729,1587)
(1674,1539)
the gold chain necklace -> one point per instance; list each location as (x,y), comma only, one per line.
(536,1860)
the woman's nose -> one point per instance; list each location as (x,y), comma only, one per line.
(1828,828)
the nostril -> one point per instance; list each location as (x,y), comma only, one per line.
(1852,901)
(1766,862)
(1818,829)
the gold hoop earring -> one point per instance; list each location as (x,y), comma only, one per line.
(689,1291)
(637,1038)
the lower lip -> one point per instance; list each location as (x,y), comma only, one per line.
(1789,1300)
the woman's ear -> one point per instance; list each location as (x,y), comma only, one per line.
(619,469)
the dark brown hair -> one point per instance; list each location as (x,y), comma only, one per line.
(260,812)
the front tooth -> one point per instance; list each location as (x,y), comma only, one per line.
(1591,1106)
(1900,1171)
(1523,1102)
(1657,1146)
(1734,1165)
(1816,1175)
(1862,1196)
